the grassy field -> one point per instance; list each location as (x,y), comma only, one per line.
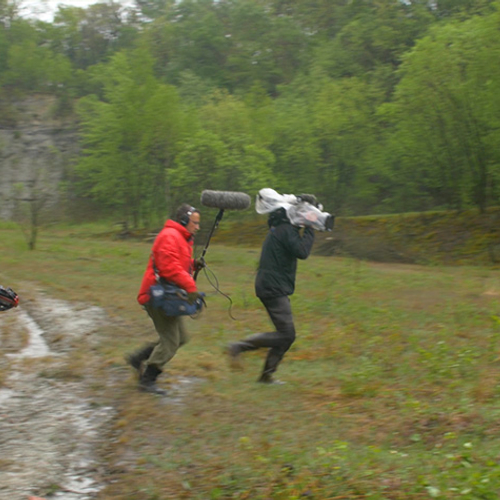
(392,385)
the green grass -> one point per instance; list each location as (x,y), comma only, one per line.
(392,385)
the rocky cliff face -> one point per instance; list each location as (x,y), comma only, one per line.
(36,153)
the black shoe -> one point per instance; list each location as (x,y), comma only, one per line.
(133,362)
(269,380)
(147,381)
(152,388)
(136,358)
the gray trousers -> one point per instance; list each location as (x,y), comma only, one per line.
(172,334)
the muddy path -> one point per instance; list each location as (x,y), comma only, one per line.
(50,429)
(59,400)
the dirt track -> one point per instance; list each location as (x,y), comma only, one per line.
(53,423)
(49,430)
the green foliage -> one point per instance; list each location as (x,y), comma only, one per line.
(392,385)
(295,145)
(346,133)
(374,106)
(327,123)
(441,111)
(231,45)
(195,41)
(35,68)
(130,138)
(225,154)
(89,36)
(264,48)
(4,48)
(372,41)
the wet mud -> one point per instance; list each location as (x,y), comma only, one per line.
(49,429)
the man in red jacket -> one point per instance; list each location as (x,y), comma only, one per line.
(172,258)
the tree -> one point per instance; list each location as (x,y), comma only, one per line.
(370,45)
(89,36)
(152,9)
(130,138)
(295,144)
(264,48)
(226,153)
(31,198)
(322,17)
(34,68)
(446,113)
(229,44)
(324,130)
(447,8)
(191,36)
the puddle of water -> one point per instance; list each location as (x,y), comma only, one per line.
(180,389)
(82,320)
(77,486)
(37,347)
(5,394)
(51,431)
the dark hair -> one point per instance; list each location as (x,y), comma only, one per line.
(184,212)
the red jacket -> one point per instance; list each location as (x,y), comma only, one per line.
(173,257)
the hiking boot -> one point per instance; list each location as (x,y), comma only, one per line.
(136,358)
(151,387)
(147,381)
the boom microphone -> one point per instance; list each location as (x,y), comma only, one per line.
(225,200)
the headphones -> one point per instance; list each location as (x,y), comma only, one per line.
(184,220)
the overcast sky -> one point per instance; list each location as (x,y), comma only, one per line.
(45,9)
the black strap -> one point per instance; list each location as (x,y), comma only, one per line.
(160,279)
(155,269)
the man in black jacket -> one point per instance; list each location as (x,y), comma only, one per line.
(274,284)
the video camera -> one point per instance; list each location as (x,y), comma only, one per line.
(302,210)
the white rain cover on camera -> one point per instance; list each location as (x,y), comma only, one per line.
(299,212)
(268,200)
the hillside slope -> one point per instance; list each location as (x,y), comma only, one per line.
(450,238)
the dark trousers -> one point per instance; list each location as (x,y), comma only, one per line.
(279,341)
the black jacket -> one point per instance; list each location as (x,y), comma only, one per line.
(278,261)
